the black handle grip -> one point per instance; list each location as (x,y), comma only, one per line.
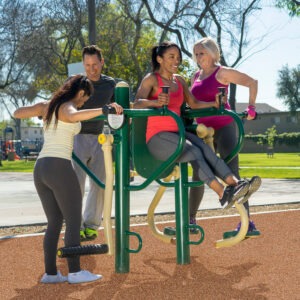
(82,250)
(165,89)
(107,109)
(222,91)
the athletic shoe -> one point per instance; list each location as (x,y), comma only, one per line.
(53,278)
(234,193)
(255,183)
(90,233)
(172,230)
(193,230)
(82,236)
(83,276)
(251,233)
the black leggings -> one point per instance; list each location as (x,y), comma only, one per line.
(58,188)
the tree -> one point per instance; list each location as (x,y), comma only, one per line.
(269,139)
(189,20)
(64,32)
(18,22)
(20,93)
(288,87)
(61,36)
(292,6)
(43,39)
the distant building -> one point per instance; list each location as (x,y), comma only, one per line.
(31,133)
(267,117)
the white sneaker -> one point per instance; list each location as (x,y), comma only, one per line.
(83,276)
(53,278)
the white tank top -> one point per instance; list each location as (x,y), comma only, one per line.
(59,141)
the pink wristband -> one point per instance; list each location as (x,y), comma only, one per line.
(251,111)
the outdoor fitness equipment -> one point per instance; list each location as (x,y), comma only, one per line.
(82,250)
(151,169)
(132,133)
(206,133)
(106,141)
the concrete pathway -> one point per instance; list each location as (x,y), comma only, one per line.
(20,205)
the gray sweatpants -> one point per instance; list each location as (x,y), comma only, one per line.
(225,139)
(58,188)
(89,151)
(206,164)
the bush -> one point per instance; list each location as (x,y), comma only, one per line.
(287,138)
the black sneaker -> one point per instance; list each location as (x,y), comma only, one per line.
(234,193)
(255,183)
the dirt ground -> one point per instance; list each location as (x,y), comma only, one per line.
(263,268)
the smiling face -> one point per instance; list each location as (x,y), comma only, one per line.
(203,57)
(92,66)
(170,60)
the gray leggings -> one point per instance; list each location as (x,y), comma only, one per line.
(58,188)
(206,164)
(225,140)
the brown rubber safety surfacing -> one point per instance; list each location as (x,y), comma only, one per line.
(267,267)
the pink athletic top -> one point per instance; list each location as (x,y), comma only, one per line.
(159,124)
(206,90)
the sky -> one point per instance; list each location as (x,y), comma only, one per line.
(281,46)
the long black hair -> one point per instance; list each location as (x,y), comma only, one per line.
(67,92)
(159,51)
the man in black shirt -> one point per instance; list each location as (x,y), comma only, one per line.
(86,145)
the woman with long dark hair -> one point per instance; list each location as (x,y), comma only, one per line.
(54,177)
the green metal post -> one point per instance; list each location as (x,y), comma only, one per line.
(121,186)
(182,216)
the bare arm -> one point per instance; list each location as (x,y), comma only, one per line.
(31,111)
(69,113)
(147,88)
(229,75)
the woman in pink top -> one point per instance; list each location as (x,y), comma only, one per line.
(205,83)
(162,131)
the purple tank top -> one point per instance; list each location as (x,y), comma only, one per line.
(206,90)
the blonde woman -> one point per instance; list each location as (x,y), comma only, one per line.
(205,83)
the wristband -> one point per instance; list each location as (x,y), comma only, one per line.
(251,111)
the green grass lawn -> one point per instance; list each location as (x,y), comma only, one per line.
(282,165)
(17,166)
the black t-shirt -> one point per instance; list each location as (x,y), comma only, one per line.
(103,94)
